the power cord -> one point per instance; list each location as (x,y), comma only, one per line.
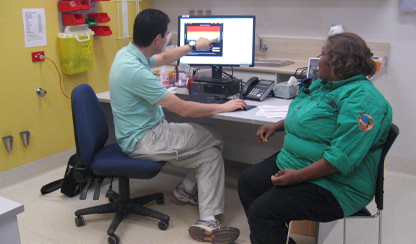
(194,72)
(302,70)
(306,83)
(226,75)
(41,57)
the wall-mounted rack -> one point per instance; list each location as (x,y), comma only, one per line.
(77,12)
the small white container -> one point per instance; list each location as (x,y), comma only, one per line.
(164,76)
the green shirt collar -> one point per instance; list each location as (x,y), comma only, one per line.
(335,84)
(136,52)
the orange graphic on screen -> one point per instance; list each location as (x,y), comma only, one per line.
(209,32)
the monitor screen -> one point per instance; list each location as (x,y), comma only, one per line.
(235,44)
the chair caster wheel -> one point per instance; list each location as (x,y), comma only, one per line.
(113,239)
(160,201)
(163,225)
(79,221)
(109,194)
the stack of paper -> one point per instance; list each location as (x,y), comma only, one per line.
(273,111)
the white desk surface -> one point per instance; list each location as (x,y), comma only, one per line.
(238,116)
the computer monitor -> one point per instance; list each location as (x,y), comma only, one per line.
(235,46)
(313,68)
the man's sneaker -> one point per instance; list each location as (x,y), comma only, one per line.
(182,195)
(212,231)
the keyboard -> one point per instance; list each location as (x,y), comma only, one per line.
(202,99)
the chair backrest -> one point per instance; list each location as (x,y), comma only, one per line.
(393,133)
(90,124)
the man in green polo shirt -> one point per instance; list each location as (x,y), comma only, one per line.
(142,131)
(327,167)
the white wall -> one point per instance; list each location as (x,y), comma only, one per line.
(374,20)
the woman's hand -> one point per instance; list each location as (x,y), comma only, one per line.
(315,170)
(286,177)
(264,132)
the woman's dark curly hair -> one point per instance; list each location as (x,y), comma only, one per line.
(347,55)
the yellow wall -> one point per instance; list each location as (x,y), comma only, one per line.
(48,119)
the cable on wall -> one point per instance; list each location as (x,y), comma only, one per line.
(60,78)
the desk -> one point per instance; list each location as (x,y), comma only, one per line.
(248,117)
(239,131)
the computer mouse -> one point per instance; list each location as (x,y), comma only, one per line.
(241,109)
(247,108)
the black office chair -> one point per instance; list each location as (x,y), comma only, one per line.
(378,197)
(97,161)
(379,193)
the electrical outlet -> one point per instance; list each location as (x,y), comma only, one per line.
(38,56)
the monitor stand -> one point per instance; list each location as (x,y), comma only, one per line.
(216,76)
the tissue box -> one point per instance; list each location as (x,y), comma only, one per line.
(286,91)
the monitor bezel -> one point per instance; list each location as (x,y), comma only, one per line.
(221,16)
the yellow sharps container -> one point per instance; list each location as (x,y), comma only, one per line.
(76,49)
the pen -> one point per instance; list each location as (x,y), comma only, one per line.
(177,72)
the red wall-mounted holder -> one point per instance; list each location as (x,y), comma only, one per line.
(85,5)
(69,6)
(73,19)
(100,17)
(101,30)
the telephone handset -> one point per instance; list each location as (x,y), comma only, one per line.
(256,89)
(249,85)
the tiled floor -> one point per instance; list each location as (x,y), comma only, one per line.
(49,219)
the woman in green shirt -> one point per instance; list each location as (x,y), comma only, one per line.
(327,167)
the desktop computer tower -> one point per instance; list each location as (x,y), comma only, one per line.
(207,88)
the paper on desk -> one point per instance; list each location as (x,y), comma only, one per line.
(272,111)
(172,89)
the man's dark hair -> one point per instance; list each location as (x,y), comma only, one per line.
(348,55)
(148,24)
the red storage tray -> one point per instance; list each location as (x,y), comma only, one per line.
(85,5)
(100,17)
(101,30)
(73,19)
(69,6)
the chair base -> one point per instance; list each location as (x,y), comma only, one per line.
(360,215)
(124,206)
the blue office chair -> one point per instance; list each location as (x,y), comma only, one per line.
(97,161)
